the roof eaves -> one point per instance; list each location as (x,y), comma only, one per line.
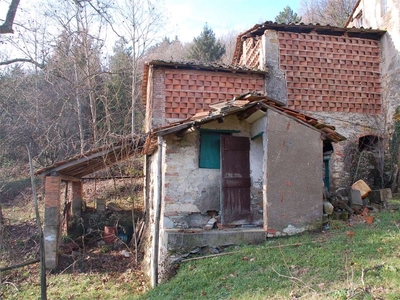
(307,28)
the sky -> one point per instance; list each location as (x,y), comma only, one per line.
(188,17)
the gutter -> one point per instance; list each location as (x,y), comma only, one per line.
(156,238)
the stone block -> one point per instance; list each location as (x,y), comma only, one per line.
(178,240)
(377,196)
(51,216)
(210,224)
(388,193)
(100,204)
(355,197)
(50,246)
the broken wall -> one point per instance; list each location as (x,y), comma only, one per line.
(294,183)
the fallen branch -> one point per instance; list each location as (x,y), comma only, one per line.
(294,279)
(364,271)
(30,262)
(10,283)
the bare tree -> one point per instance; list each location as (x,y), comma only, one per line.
(7,26)
(140,21)
(168,50)
(229,41)
(77,60)
(324,12)
(27,39)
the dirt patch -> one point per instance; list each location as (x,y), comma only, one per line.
(82,252)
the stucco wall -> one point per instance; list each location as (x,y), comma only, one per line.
(192,194)
(293,176)
(257,167)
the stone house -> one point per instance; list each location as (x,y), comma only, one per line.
(335,75)
(384,15)
(245,165)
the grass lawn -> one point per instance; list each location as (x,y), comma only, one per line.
(327,265)
(352,260)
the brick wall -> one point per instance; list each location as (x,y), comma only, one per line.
(331,73)
(190,91)
(52,188)
(251,53)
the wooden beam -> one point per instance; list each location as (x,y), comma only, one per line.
(68,178)
(173,129)
(248,112)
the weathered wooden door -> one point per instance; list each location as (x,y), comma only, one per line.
(235,180)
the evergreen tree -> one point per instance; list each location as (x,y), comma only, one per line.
(287,16)
(206,48)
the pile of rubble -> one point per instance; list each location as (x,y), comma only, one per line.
(359,199)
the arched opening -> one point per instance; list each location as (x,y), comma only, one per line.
(369,143)
(370,161)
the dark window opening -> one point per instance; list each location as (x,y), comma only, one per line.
(327,152)
(369,143)
(327,148)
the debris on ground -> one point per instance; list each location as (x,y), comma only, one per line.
(354,204)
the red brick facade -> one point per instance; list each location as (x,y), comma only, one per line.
(188,92)
(331,73)
(52,187)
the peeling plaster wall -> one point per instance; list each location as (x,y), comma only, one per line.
(257,160)
(151,192)
(189,190)
(275,84)
(293,176)
(193,193)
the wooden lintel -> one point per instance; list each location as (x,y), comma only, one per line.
(68,178)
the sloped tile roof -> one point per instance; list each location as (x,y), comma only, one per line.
(237,105)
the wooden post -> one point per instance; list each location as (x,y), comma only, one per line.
(77,191)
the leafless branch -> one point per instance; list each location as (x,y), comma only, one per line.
(16,60)
(6,27)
